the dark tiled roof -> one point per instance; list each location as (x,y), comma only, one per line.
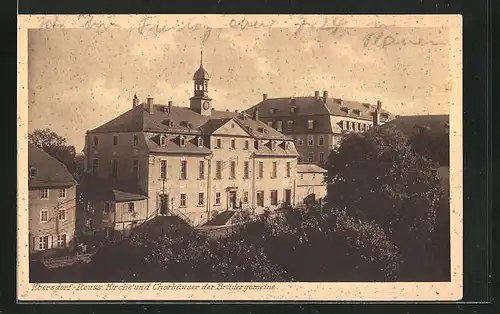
(310,106)
(309,168)
(160,226)
(432,124)
(50,172)
(111,190)
(138,119)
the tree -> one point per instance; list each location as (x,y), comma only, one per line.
(56,146)
(379,177)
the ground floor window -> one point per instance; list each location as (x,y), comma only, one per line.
(274,197)
(245,197)
(43,243)
(61,240)
(183,200)
(217,198)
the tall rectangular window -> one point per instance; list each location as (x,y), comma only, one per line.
(279,125)
(44,194)
(95,166)
(288,169)
(96,140)
(261,170)
(247,144)
(115,140)
(114,168)
(201,198)
(274,197)
(44,215)
(274,170)
(107,207)
(310,140)
(136,140)
(61,240)
(62,214)
(201,170)
(218,143)
(163,169)
(135,169)
(310,124)
(131,207)
(321,157)
(218,169)
(62,193)
(183,169)
(217,198)
(289,126)
(245,197)
(321,140)
(233,144)
(43,243)
(310,157)
(233,170)
(246,171)
(182,202)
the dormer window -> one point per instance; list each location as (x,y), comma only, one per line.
(264,131)
(273,110)
(289,125)
(356,112)
(182,141)
(163,140)
(188,124)
(171,123)
(293,109)
(32,172)
(310,124)
(261,130)
(257,144)
(200,141)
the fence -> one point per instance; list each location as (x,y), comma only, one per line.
(64,261)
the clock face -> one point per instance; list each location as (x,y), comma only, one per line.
(206,105)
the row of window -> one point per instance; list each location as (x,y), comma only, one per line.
(218,195)
(220,166)
(311,157)
(44,193)
(278,125)
(44,215)
(114,168)
(95,141)
(43,242)
(355,126)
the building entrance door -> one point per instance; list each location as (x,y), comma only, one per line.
(232,199)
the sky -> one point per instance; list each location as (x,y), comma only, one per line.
(79,79)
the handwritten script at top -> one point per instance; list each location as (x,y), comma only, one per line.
(381,38)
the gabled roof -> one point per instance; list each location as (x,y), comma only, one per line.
(50,172)
(432,124)
(138,119)
(312,106)
(309,168)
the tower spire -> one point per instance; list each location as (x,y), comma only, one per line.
(201,56)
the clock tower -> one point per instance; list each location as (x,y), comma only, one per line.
(200,102)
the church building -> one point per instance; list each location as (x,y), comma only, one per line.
(187,161)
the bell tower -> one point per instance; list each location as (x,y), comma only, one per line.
(200,102)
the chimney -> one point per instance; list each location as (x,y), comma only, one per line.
(256,115)
(376,117)
(264,97)
(379,105)
(150,105)
(316,94)
(325,96)
(169,106)
(135,101)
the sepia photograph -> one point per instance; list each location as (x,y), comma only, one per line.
(242,157)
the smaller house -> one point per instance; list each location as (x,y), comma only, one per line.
(51,203)
(112,208)
(310,186)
